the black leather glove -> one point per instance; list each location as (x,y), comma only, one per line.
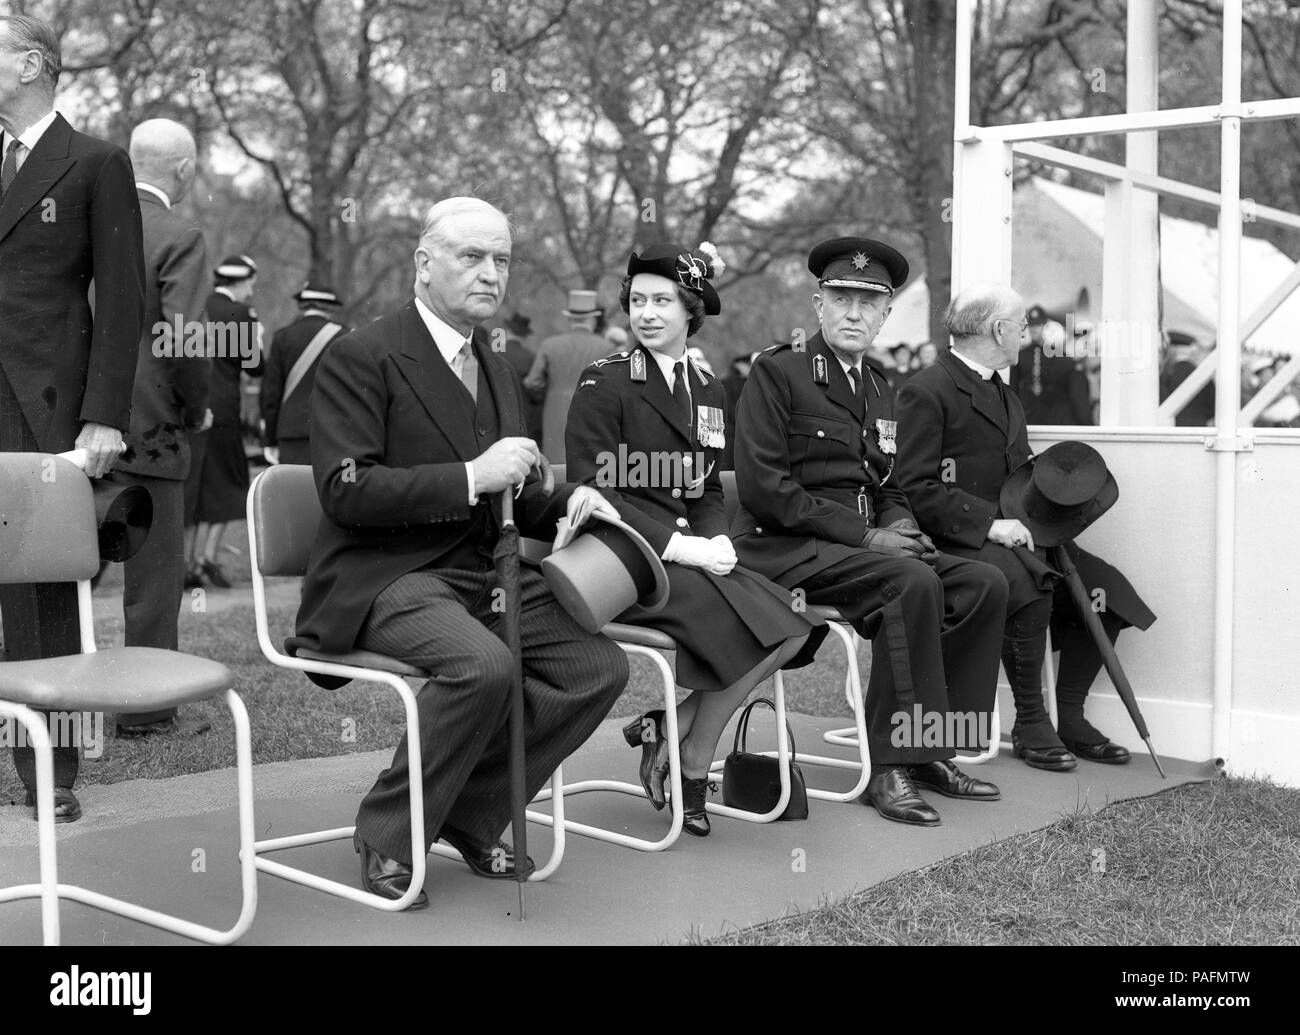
(891,543)
(909,528)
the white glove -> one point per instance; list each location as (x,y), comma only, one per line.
(695,551)
(272,454)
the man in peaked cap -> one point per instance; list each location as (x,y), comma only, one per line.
(1051,382)
(816,445)
(290,373)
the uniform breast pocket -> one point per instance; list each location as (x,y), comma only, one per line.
(814,441)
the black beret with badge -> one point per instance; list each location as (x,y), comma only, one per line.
(691,268)
(858,262)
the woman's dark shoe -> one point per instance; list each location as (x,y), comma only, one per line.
(1052,758)
(695,818)
(215,575)
(193,577)
(646,732)
(66,807)
(1105,752)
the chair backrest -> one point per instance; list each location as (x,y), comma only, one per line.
(47,520)
(285,514)
(730,496)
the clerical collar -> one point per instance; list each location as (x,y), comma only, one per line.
(985,373)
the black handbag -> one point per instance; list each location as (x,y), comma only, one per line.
(753,782)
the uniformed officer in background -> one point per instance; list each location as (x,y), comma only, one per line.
(815,450)
(290,373)
(1050,380)
(217,484)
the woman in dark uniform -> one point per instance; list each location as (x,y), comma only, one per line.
(648,426)
(217,487)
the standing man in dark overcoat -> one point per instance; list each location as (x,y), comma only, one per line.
(69,215)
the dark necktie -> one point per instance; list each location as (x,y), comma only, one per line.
(469,371)
(859,390)
(10,167)
(1000,387)
(680,395)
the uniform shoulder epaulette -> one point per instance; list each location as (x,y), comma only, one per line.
(617,357)
(705,376)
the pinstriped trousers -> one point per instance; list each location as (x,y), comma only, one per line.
(443,621)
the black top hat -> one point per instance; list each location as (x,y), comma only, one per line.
(692,269)
(604,571)
(1059,493)
(316,293)
(236,267)
(858,262)
(518,323)
(124,515)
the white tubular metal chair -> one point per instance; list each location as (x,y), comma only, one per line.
(854,736)
(648,643)
(283,513)
(48,534)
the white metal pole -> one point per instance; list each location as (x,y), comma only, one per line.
(1228,387)
(1140,393)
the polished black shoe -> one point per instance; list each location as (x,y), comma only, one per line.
(944,776)
(1053,759)
(646,732)
(496,862)
(695,818)
(193,578)
(66,807)
(216,575)
(1106,752)
(385,877)
(894,797)
(181,728)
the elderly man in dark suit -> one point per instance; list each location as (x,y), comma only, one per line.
(816,442)
(290,374)
(962,432)
(68,215)
(417,429)
(170,397)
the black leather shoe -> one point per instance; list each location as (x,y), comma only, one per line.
(216,575)
(496,862)
(695,818)
(193,578)
(894,797)
(66,807)
(385,877)
(1106,752)
(944,776)
(1053,759)
(646,732)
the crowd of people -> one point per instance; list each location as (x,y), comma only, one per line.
(904,494)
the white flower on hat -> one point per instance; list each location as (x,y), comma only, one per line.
(716,266)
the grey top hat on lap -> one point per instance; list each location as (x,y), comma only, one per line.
(604,571)
(1059,493)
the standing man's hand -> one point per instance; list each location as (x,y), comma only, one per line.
(103,445)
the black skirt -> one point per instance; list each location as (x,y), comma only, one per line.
(724,625)
(223,480)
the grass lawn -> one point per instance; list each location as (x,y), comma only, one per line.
(1202,864)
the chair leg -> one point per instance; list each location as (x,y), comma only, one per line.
(130,910)
(558,789)
(38,736)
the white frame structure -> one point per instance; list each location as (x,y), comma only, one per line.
(983,165)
